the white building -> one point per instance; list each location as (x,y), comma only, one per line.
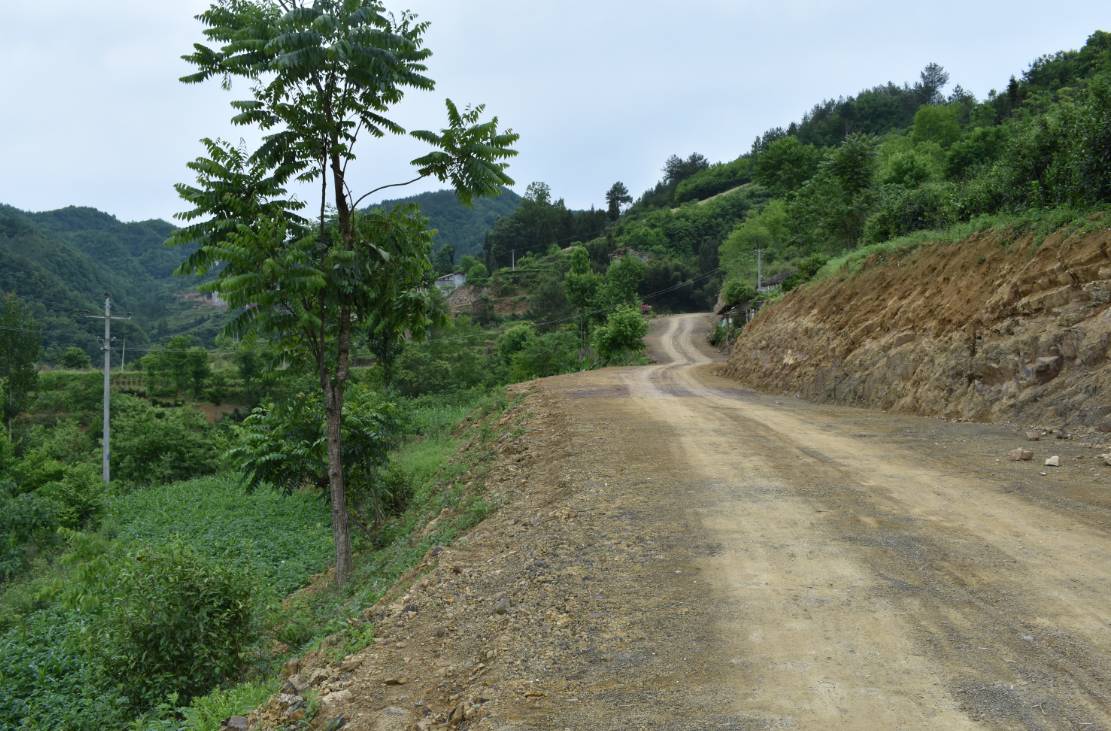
(452,281)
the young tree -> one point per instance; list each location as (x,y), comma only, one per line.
(539,192)
(75,358)
(616,197)
(321,74)
(785,164)
(622,281)
(676,169)
(622,336)
(409,307)
(444,260)
(20,340)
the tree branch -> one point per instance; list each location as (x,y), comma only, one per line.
(383,187)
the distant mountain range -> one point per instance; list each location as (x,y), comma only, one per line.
(63,262)
(464,227)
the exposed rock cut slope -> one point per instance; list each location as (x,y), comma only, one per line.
(998,326)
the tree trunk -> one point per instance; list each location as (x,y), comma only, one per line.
(333,408)
(334,387)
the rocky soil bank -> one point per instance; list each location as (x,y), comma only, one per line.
(1000,326)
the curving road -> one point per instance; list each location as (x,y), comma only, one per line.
(843,568)
(673,551)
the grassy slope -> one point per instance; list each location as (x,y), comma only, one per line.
(284,542)
(1041,222)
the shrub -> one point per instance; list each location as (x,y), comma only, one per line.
(177,624)
(737,292)
(515,339)
(723,334)
(453,359)
(27,523)
(152,445)
(283,444)
(622,337)
(546,355)
(78,497)
(715,179)
(75,358)
(901,211)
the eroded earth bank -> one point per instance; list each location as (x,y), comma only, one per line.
(1001,326)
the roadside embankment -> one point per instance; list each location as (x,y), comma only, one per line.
(1003,325)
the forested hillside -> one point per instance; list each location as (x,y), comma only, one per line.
(894,160)
(61,263)
(458,225)
(862,169)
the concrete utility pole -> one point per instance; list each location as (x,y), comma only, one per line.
(105,470)
(759,269)
(514,260)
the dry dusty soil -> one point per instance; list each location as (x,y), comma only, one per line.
(672,551)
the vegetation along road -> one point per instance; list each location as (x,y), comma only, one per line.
(689,554)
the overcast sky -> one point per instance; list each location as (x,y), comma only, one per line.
(91,112)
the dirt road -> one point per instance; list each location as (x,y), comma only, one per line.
(683,553)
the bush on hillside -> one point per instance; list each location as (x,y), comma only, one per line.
(902,210)
(78,497)
(177,624)
(75,358)
(515,339)
(452,359)
(152,445)
(715,179)
(546,355)
(621,339)
(283,444)
(28,522)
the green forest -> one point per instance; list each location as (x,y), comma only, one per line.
(61,263)
(307,429)
(458,226)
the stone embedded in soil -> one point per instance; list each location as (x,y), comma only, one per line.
(501,606)
(1020,455)
(235,723)
(391,718)
(350,664)
(1053,461)
(1106,458)
(395,681)
(296,684)
(1033,435)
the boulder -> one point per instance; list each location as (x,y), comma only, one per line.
(1053,461)
(1020,455)
(1043,370)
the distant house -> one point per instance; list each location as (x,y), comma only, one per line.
(775,282)
(450,282)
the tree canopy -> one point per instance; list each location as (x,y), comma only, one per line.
(321,76)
